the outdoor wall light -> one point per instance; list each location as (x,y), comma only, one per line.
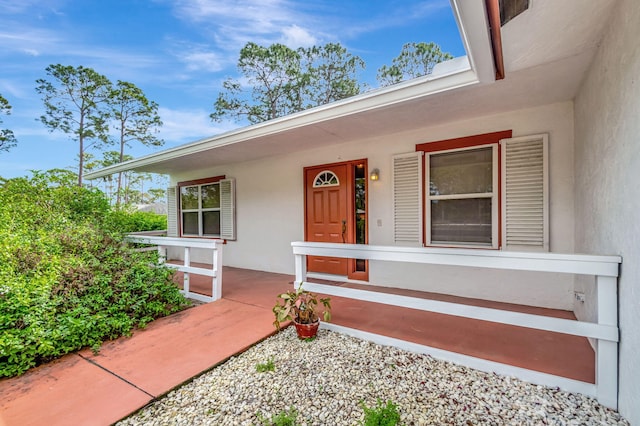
(375,174)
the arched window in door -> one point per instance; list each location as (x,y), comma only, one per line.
(326,178)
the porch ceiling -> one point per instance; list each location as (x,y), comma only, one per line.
(547,50)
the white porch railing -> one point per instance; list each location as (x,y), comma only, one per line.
(605,331)
(215,272)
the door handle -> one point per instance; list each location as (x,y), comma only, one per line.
(344,230)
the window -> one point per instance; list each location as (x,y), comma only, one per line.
(488,190)
(360,211)
(207,208)
(326,178)
(462,202)
(200,207)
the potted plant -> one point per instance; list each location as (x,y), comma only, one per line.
(300,306)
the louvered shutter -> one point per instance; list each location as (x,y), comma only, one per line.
(407,198)
(172,212)
(228,209)
(525,199)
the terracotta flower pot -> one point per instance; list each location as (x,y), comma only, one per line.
(307,331)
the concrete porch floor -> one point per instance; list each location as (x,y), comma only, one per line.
(547,352)
(128,373)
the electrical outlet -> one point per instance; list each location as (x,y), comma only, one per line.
(579,296)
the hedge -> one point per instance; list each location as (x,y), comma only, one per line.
(67,280)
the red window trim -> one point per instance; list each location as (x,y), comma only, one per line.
(203,181)
(464,142)
(459,143)
(194,182)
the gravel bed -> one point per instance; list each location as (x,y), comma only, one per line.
(326,379)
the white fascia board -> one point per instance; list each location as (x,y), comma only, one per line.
(473,24)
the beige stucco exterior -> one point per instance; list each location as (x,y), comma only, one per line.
(270,208)
(607,164)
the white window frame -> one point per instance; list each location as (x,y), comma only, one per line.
(494,196)
(227,208)
(321,181)
(200,210)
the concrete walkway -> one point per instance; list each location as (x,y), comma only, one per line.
(128,373)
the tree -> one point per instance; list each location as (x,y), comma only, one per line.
(415,60)
(110,158)
(274,73)
(332,74)
(136,119)
(54,177)
(89,164)
(75,103)
(7,138)
(284,81)
(157,194)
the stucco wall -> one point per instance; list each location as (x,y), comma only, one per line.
(270,208)
(607,157)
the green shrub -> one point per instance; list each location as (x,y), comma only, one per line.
(124,221)
(381,415)
(67,281)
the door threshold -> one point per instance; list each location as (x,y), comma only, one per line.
(336,278)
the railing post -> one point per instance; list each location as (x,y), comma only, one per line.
(162,255)
(301,270)
(607,351)
(187,262)
(216,283)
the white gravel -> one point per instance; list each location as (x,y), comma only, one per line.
(326,379)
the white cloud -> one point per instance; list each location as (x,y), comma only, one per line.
(232,24)
(199,57)
(181,126)
(32,52)
(37,133)
(295,36)
(23,39)
(18,6)
(14,89)
(46,45)
(264,14)
(208,61)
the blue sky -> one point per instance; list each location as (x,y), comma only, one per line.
(180,51)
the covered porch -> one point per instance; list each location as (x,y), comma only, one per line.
(537,344)
(547,352)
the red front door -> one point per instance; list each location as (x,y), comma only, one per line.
(327,218)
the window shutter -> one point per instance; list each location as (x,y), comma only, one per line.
(172,212)
(525,193)
(407,198)
(228,209)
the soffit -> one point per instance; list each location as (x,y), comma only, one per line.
(551,30)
